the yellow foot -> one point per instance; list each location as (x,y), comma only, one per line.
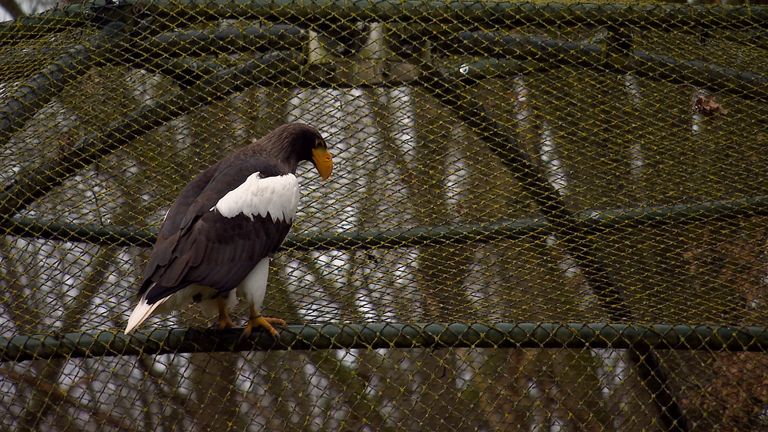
(224,323)
(264,322)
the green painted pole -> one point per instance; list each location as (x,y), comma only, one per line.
(382,335)
(504,13)
(595,221)
(667,17)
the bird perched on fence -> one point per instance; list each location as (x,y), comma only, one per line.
(218,236)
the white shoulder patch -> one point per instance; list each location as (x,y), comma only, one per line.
(276,196)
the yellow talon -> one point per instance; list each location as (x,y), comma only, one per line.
(264,322)
(224,321)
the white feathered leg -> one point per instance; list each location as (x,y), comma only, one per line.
(220,306)
(253,289)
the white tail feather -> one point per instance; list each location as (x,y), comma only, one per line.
(141,313)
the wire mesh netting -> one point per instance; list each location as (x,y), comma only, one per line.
(543,217)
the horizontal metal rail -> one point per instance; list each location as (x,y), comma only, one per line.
(23,103)
(593,220)
(509,13)
(383,335)
(37,179)
(668,17)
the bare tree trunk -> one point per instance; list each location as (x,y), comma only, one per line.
(13,8)
(40,404)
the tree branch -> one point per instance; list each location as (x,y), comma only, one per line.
(13,8)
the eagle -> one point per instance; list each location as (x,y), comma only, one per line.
(217,238)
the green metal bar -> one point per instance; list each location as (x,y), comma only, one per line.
(55,20)
(542,54)
(186,71)
(37,179)
(175,54)
(667,17)
(14,70)
(535,53)
(38,90)
(456,94)
(716,78)
(591,220)
(38,26)
(382,335)
(225,40)
(505,13)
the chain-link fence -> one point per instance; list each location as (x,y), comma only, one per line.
(543,216)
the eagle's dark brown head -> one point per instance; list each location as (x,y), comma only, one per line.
(293,143)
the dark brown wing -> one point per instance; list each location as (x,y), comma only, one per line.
(200,246)
(170,230)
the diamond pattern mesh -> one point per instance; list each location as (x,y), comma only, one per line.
(543,216)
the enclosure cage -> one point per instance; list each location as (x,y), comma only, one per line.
(543,216)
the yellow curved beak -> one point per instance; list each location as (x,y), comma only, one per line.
(323,162)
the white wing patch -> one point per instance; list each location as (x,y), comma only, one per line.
(276,196)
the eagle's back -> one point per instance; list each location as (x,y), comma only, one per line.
(201,244)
